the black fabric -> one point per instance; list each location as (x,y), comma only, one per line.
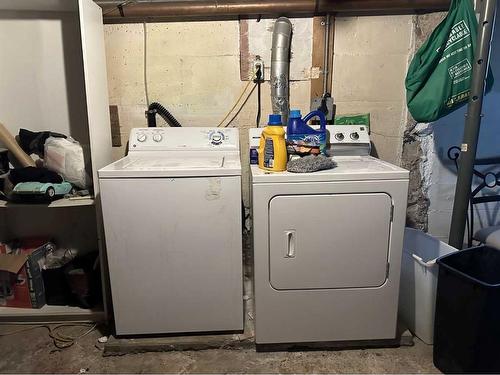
(33,142)
(4,161)
(33,174)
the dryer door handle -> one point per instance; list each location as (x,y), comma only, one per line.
(290,244)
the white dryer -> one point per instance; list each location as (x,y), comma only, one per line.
(172,219)
(327,248)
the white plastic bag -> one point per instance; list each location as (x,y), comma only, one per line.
(65,156)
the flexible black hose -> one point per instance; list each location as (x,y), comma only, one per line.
(157,108)
(258,81)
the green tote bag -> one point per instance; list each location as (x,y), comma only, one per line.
(439,77)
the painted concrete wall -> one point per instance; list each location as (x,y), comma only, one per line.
(193,68)
(437,170)
(370,62)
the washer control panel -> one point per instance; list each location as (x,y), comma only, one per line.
(185,138)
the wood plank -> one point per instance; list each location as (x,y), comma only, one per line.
(96,87)
(318,55)
(97,100)
(116,137)
(121,346)
(245,58)
(51,314)
(64,202)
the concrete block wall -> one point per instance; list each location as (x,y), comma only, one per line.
(193,68)
(370,62)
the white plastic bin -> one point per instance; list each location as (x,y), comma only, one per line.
(419,274)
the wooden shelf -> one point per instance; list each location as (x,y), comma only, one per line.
(51,314)
(64,202)
(76,63)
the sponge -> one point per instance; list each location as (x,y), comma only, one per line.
(310,163)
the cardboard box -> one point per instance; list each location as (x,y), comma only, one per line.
(21,283)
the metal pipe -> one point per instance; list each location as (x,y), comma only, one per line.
(280,67)
(326,71)
(472,125)
(138,10)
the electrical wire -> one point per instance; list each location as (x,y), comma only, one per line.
(242,105)
(60,340)
(121,5)
(258,105)
(235,104)
(145,62)
(19,331)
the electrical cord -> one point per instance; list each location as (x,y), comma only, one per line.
(235,104)
(119,6)
(145,57)
(60,340)
(241,107)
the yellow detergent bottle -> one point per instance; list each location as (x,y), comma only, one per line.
(272,147)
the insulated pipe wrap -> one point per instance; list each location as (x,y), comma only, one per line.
(280,67)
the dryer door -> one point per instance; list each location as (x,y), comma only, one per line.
(329,241)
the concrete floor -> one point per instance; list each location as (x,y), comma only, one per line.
(33,351)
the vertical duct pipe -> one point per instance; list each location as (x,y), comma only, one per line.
(280,67)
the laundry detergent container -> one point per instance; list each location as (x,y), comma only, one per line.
(467,326)
(419,273)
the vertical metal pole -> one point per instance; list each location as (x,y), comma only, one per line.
(472,124)
(326,68)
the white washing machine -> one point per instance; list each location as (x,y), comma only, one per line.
(172,218)
(327,247)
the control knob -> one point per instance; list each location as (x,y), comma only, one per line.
(355,136)
(339,136)
(157,137)
(217,138)
(141,137)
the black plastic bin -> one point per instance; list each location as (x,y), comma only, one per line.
(467,323)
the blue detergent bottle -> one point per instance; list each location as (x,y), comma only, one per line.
(298,133)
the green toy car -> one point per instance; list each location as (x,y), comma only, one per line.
(49,190)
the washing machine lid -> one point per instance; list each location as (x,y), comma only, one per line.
(349,168)
(165,164)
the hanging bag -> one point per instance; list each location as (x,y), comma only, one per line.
(439,77)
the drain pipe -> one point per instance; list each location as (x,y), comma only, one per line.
(326,68)
(120,11)
(280,67)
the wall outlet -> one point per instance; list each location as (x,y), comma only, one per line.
(258,63)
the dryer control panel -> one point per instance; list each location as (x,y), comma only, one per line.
(342,140)
(348,140)
(183,139)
